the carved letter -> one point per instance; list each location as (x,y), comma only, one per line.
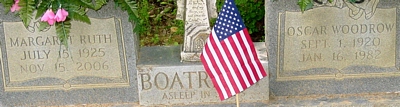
(176,79)
(156,81)
(146,81)
(203,79)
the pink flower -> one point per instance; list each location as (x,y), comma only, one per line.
(15,6)
(49,17)
(61,15)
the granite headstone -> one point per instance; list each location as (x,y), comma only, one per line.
(211,9)
(164,80)
(197,29)
(97,67)
(334,48)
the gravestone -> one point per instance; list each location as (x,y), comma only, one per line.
(164,80)
(211,9)
(334,48)
(98,66)
(197,29)
(173,75)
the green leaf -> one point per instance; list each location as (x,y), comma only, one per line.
(310,5)
(43,6)
(62,31)
(352,1)
(164,3)
(37,3)
(166,10)
(26,11)
(131,7)
(330,1)
(84,3)
(99,4)
(305,4)
(78,14)
(43,25)
(7,5)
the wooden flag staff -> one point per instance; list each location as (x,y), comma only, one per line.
(237,100)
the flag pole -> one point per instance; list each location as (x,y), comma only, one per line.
(237,100)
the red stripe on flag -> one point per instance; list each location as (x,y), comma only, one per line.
(250,71)
(213,79)
(237,70)
(216,58)
(255,57)
(223,67)
(243,38)
(220,89)
(239,48)
(229,60)
(218,70)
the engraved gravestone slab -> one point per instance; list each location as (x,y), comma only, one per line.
(164,80)
(91,53)
(335,48)
(95,68)
(197,29)
(211,9)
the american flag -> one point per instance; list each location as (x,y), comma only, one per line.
(229,56)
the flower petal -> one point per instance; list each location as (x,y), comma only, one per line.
(64,12)
(51,21)
(48,17)
(15,6)
(61,15)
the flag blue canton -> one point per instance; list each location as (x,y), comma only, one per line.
(229,21)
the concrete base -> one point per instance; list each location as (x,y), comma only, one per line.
(364,100)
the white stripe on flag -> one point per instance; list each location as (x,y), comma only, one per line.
(244,57)
(218,61)
(229,64)
(212,69)
(251,55)
(236,60)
